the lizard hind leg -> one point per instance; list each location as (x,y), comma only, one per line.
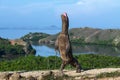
(75,63)
(64,63)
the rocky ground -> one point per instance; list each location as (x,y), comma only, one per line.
(56,75)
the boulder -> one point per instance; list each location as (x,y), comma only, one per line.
(31,78)
(4,76)
(15,76)
(27,47)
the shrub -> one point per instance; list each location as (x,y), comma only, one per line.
(30,62)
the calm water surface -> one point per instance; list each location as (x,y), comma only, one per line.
(45,50)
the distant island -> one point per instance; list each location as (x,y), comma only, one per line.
(34,37)
(84,35)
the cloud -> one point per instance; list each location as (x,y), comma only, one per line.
(34,7)
(80,3)
(73,7)
(27,8)
(88,7)
(98,3)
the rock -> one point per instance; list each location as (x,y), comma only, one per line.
(44,41)
(55,75)
(28,49)
(31,78)
(40,77)
(116,41)
(46,76)
(49,73)
(58,74)
(4,76)
(18,42)
(78,78)
(15,76)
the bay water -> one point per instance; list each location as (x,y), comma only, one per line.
(47,50)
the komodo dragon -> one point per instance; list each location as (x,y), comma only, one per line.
(63,45)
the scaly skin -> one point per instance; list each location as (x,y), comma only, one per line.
(63,45)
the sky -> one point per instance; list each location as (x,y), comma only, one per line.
(46,13)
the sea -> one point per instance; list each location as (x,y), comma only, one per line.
(47,50)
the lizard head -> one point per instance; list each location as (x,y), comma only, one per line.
(65,22)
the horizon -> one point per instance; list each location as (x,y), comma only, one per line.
(103,14)
(17,33)
(50,28)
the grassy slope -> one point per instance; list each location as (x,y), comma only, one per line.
(88,61)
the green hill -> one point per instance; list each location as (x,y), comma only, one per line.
(90,36)
(12,48)
(34,37)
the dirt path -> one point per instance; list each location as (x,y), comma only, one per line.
(87,38)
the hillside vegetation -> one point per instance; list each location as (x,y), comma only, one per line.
(88,61)
(34,37)
(13,48)
(90,36)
